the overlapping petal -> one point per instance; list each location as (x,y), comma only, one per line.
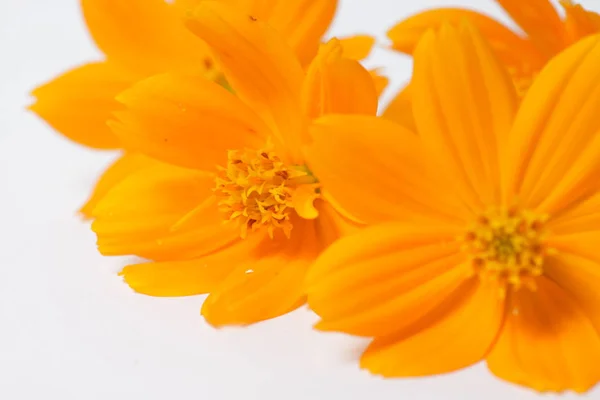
(268,78)
(547,342)
(508,46)
(119,170)
(144,36)
(189,276)
(385,278)
(540,21)
(337,85)
(464,104)
(455,336)
(269,283)
(554,149)
(397,182)
(138,216)
(357,47)
(186,120)
(579,22)
(79,103)
(400,109)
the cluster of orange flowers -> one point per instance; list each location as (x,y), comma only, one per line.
(460,225)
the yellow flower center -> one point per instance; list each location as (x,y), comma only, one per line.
(507,247)
(256,189)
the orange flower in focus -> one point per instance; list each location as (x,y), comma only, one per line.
(141,38)
(486,224)
(233,209)
(547,34)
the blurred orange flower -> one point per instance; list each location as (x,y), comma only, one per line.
(546,34)
(486,224)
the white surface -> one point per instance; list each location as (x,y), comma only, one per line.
(70,329)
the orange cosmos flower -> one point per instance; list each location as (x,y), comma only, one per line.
(141,38)
(547,33)
(486,223)
(234,209)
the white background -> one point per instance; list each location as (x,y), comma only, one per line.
(69,327)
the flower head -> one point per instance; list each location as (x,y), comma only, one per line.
(231,207)
(142,38)
(485,224)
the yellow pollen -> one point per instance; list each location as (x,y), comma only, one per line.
(256,189)
(508,246)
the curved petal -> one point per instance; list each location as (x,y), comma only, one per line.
(337,85)
(302,23)
(332,225)
(381,81)
(388,272)
(547,342)
(576,269)
(188,277)
(460,335)
(507,45)
(119,170)
(357,47)
(554,150)
(138,215)
(80,102)
(145,36)
(260,67)
(540,20)
(581,218)
(378,176)
(187,121)
(579,22)
(269,283)
(464,104)
(400,109)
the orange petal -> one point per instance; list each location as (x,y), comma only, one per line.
(269,283)
(184,6)
(547,342)
(378,176)
(459,335)
(124,166)
(357,47)
(579,22)
(79,102)
(188,277)
(187,121)
(137,215)
(508,46)
(145,36)
(582,217)
(554,150)
(260,67)
(576,269)
(337,85)
(464,104)
(381,82)
(540,20)
(301,23)
(400,109)
(388,272)
(303,201)
(332,225)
